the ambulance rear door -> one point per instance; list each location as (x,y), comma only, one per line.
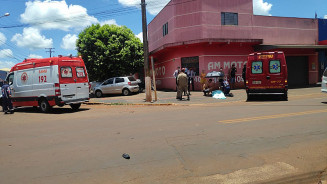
(257,74)
(82,84)
(73,81)
(67,83)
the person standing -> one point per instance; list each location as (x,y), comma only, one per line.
(203,80)
(244,74)
(191,75)
(6,98)
(222,71)
(232,75)
(182,82)
(176,74)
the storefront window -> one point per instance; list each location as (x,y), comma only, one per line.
(191,62)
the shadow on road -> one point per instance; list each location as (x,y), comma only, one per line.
(52,111)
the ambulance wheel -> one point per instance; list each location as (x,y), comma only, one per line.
(248,97)
(98,94)
(75,107)
(44,105)
(126,92)
(285,97)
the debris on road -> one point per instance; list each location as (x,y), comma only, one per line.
(126,156)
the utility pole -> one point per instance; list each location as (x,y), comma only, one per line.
(146,54)
(50,51)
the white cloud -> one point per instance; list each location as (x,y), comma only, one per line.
(153,6)
(3,38)
(325,17)
(34,56)
(261,8)
(109,22)
(6,64)
(140,36)
(6,53)
(56,15)
(69,42)
(32,39)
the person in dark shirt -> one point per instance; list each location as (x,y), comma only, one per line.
(225,88)
(232,75)
(244,74)
(6,98)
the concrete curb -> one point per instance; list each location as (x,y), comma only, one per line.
(130,104)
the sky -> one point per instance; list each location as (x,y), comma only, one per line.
(34,26)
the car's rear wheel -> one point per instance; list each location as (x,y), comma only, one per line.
(44,105)
(75,107)
(126,92)
(98,94)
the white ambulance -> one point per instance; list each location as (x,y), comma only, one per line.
(48,82)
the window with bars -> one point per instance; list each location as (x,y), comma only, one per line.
(228,18)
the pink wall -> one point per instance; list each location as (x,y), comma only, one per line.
(313,69)
(283,30)
(201,19)
(211,58)
(195,30)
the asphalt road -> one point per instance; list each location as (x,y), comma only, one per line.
(262,141)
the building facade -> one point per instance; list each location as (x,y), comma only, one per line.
(207,35)
(322,53)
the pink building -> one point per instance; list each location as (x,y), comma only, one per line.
(210,34)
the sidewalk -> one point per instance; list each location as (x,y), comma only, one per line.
(165,98)
(196,98)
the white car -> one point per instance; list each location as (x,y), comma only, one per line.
(117,85)
(324,82)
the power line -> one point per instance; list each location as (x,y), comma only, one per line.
(9,55)
(20,56)
(101,14)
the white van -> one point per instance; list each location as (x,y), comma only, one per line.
(324,82)
(49,82)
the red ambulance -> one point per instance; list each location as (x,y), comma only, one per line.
(48,82)
(266,73)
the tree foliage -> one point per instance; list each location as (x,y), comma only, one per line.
(110,51)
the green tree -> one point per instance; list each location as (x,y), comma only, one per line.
(110,51)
